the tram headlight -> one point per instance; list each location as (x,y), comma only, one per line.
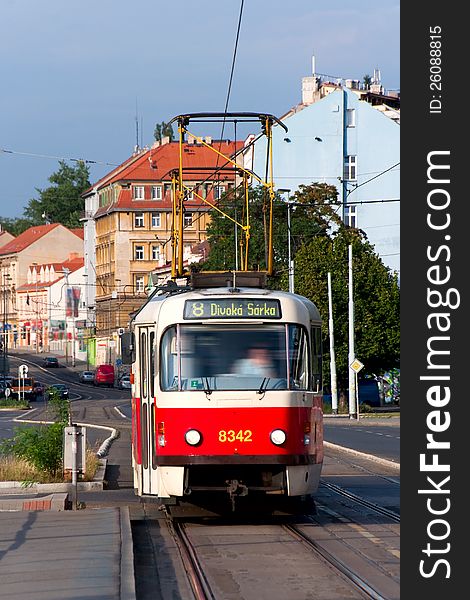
(193,437)
(278,437)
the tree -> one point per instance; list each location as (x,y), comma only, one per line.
(62,202)
(367,80)
(313,215)
(376,299)
(15,226)
(163,130)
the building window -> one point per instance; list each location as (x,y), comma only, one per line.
(156,252)
(167,188)
(218,191)
(351,117)
(138,252)
(189,193)
(157,192)
(350,216)
(138,192)
(139,283)
(156,220)
(139,220)
(350,168)
(188,219)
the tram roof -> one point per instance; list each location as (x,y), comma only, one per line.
(147,313)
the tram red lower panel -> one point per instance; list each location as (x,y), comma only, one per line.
(238,431)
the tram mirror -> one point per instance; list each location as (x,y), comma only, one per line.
(127,348)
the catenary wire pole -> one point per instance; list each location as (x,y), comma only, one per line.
(351,373)
(334,386)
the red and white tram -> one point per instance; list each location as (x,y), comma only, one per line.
(203,419)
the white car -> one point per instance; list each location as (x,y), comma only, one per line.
(125,383)
(86,376)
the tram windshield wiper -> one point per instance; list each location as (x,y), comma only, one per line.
(207,387)
(263,387)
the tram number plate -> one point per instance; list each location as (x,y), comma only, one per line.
(230,435)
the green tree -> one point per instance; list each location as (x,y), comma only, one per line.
(163,130)
(312,215)
(367,80)
(61,202)
(376,299)
(16,226)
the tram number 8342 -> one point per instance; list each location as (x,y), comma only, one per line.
(233,436)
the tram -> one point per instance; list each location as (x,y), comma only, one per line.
(226,392)
(204,419)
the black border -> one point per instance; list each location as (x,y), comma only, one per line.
(421,133)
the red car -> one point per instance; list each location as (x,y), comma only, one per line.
(104,375)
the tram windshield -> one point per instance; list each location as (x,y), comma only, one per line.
(209,358)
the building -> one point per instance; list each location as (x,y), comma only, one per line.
(51,309)
(348,137)
(5,236)
(37,245)
(129,213)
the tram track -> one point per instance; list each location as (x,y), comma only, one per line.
(359,583)
(204,547)
(362,501)
(195,573)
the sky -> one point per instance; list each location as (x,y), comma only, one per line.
(78,78)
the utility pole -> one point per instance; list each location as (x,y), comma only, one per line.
(334,385)
(351,355)
(290,262)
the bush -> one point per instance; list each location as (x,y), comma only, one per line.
(41,446)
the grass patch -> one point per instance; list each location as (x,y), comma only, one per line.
(35,453)
(13,403)
(13,468)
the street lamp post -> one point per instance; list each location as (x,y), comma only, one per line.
(5,278)
(290,262)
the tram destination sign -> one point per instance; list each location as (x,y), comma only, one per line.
(228,308)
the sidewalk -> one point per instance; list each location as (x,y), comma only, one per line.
(67,555)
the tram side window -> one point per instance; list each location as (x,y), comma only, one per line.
(169,360)
(143,365)
(152,363)
(316,357)
(298,358)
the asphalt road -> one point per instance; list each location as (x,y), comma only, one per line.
(377,436)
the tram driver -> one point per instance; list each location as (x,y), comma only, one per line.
(256,362)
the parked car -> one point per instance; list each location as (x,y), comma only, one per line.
(124,382)
(104,375)
(50,361)
(86,376)
(61,388)
(38,389)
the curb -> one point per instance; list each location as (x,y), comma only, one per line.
(127,556)
(382,461)
(52,502)
(58,493)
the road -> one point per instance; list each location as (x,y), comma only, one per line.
(377,436)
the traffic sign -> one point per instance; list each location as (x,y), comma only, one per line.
(23,370)
(356,365)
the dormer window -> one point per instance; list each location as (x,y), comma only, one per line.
(138,192)
(157,192)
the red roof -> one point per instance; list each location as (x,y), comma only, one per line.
(72,264)
(78,231)
(26,238)
(155,165)
(107,177)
